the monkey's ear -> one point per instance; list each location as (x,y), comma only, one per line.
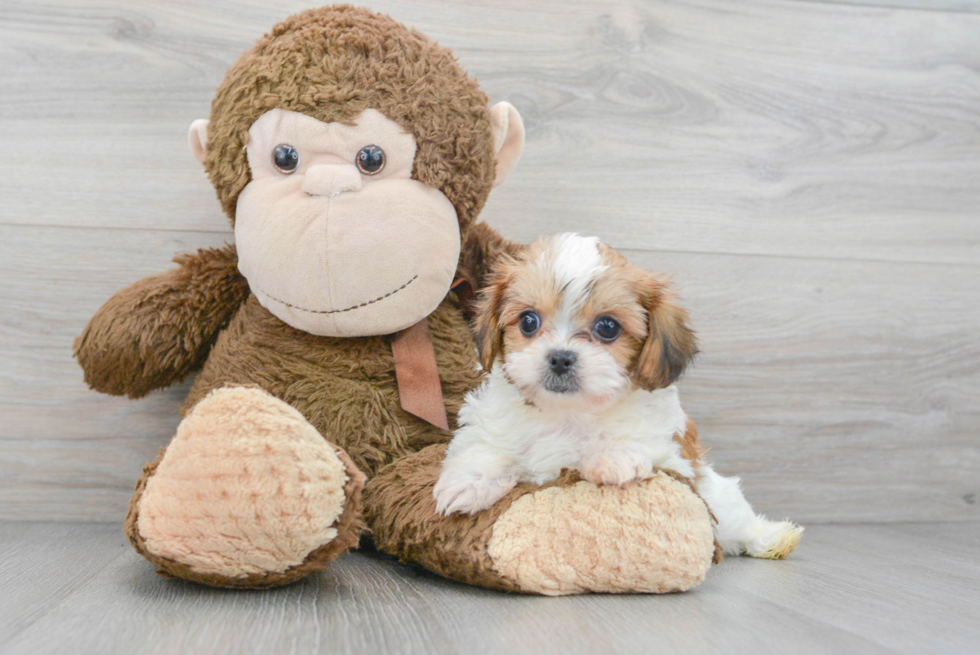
(489,334)
(508,138)
(197,136)
(670,345)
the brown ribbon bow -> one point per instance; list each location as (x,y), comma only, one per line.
(418,374)
(419,389)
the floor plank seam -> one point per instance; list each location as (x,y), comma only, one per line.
(861,5)
(623,248)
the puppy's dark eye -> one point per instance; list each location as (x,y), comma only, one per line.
(286,158)
(607,329)
(529,322)
(370,160)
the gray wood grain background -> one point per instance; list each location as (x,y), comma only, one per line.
(808,171)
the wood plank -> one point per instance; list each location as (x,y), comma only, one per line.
(884,583)
(848,589)
(967,6)
(43,563)
(702,621)
(840,391)
(765,126)
(836,389)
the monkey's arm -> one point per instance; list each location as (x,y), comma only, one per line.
(481,250)
(156,331)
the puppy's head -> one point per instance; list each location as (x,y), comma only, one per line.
(575,325)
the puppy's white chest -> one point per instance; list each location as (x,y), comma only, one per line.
(558,446)
(643,425)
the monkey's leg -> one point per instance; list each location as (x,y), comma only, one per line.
(569,536)
(248,494)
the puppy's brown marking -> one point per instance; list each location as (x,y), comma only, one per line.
(670,344)
(489,337)
(691,448)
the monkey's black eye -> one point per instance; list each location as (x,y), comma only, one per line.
(607,329)
(370,160)
(529,322)
(286,158)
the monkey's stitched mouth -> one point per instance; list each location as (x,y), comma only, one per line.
(340,311)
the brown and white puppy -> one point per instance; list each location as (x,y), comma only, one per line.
(582,350)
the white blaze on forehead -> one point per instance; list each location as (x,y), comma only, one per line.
(576,263)
(576,258)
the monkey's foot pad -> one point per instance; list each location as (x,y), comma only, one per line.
(248,494)
(569,536)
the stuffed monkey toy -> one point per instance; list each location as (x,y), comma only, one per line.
(331,344)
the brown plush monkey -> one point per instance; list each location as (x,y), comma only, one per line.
(353,156)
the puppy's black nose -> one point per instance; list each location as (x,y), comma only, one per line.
(561,361)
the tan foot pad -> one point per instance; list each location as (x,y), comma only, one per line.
(652,536)
(244,495)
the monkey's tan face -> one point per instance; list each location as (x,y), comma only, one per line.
(334,236)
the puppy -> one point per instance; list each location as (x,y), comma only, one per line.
(582,351)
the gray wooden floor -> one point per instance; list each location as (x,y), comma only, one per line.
(900,588)
(808,171)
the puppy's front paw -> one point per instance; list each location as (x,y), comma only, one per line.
(615,467)
(468,491)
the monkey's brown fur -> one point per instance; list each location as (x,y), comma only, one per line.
(157,331)
(331,64)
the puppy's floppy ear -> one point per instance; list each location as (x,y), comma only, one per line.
(670,345)
(489,333)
